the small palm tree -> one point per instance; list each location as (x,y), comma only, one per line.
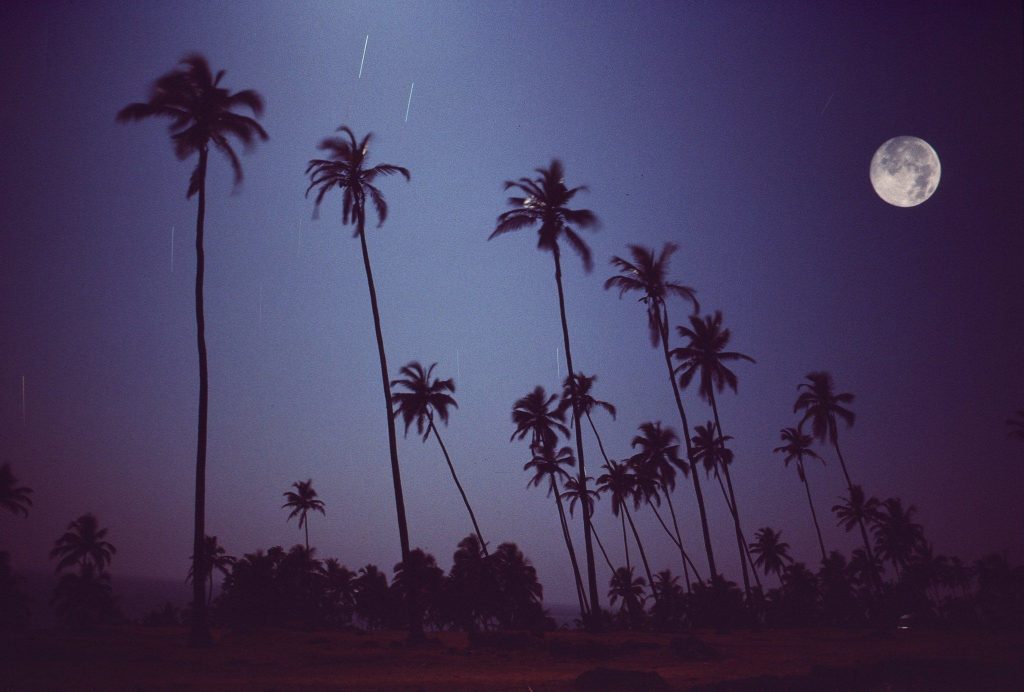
(574,493)
(798,446)
(771,552)
(346,169)
(83,544)
(533,415)
(202,114)
(13,497)
(630,590)
(218,560)
(301,502)
(1016,425)
(897,535)
(859,510)
(821,405)
(623,485)
(422,399)
(647,274)
(585,401)
(704,356)
(544,205)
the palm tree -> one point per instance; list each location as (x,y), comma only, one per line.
(1016,425)
(772,553)
(859,510)
(647,274)
(302,501)
(83,544)
(422,399)
(218,560)
(346,169)
(798,446)
(544,204)
(821,405)
(897,535)
(201,114)
(705,356)
(13,497)
(548,464)
(585,401)
(533,415)
(630,590)
(658,457)
(574,493)
(623,485)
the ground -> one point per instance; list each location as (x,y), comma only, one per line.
(157,658)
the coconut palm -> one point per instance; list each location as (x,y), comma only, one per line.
(647,274)
(202,114)
(630,590)
(897,535)
(585,401)
(859,510)
(821,405)
(657,456)
(533,415)
(548,464)
(798,446)
(301,502)
(13,497)
(346,169)
(704,356)
(574,493)
(624,485)
(1016,425)
(422,399)
(218,560)
(771,552)
(83,544)
(544,205)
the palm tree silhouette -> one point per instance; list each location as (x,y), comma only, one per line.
(346,169)
(544,204)
(630,590)
(83,544)
(302,501)
(623,485)
(422,399)
(658,457)
(218,560)
(585,401)
(772,553)
(897,535)
(533,415)
(1016,425)
(798,446)
(201,114)
(548,464)
(859,510)
(13,497)
(821,405)
(574,493)
(648,274)
(704,355)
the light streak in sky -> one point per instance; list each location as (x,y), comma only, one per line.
(261,304)
(827,104)
(23,419)
(409,103)
(364,57)
(172,249)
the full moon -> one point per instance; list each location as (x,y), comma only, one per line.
(905,171)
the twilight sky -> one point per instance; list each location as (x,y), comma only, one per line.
(740,131)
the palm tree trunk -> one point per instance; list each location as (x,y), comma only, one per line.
(689,445)
(587,543)
(415,623)
(814,515)
(603,551)
(625,541)
(444,450)
(200,631)
(675,541)
(640,547)
(740,543)
(306,525)
(860,521)
(744,547)
(679,541)
(572,552)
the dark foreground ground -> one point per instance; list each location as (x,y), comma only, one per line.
(818,659)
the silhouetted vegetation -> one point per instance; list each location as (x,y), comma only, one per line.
(84,599)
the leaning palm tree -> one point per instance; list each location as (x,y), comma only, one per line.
(574,493)
(13,497)
(422,399)
(83,544)
(585,401)
(548,464)
(704,356)
(647,274)
(798,446)
(346,169)
(821,405)
(301,502)
(1015,423)
(859,510)
(544,204)
(218,560)
(771,552)
(897,535)
(201,113)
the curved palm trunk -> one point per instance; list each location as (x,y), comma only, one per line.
(744,546)
(600,445)
(640,547)
(814,515)
(675,540)
(689,446)
(200,631)
(740,543)
(860,520)
(625,540)
(415,622)
(587,543)
(603,551)
(444,450)
(572,552)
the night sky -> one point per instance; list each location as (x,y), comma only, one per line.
(740,131)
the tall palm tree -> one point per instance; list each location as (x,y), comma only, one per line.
(201,113)
(218,560)
(13,497)
(798,446)
(897,535)
(1016,425)
(544,205)
(624,485)
(704,356)
(548,465)
(423,397)
(647,274)
(821,405)
(658,457)
(301,502)
(83,544)
(859,510)
(346,168)
(772,553)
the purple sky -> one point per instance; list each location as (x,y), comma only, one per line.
(740,131)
